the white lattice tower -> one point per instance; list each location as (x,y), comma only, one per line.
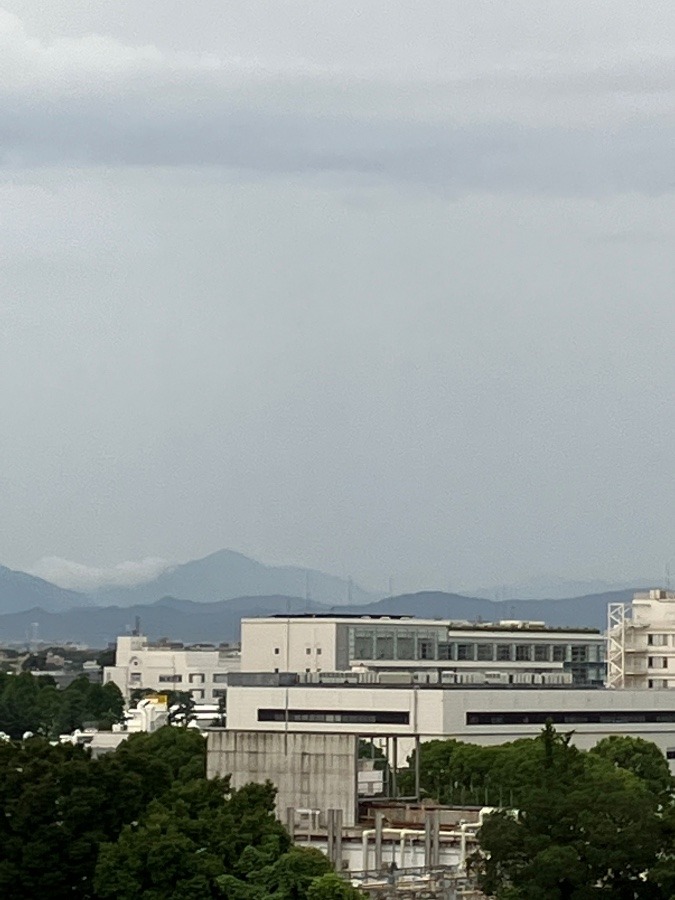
(618,617)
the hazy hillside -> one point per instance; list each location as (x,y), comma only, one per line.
(225,575)
(19,591)
(179,619)
(220,620)
(589,611)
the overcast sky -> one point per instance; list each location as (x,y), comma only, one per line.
(381,288)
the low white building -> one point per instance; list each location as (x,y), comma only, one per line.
(479,714)
(202,670)
(641,641)
(338,643)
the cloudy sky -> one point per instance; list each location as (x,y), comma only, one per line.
(381,288)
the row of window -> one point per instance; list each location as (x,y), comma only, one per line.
(365,717)
(308,651)
(376,646)
(193,678)
(568,718)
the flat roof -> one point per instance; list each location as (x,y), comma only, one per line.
(517,627)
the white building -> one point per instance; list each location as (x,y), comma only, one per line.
(339,643)
(202,670)
(641,642)
(479,714)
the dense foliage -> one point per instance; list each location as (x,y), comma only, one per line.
(577,825)
(144,824)
(34,704)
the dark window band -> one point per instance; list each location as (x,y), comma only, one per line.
(367,717)
(568,718)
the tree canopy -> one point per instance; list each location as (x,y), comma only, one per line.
(29,703)
(143,823)
(569,824)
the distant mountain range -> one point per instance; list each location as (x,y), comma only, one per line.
(226,575)
(204,600)
(220,620)
(19,592)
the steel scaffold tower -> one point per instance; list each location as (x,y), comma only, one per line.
(618,619)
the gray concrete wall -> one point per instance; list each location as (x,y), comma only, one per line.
(310,771)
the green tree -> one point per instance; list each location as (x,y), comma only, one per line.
(332,887)
(188,840)
(290,876)
(642,758)
(584,829)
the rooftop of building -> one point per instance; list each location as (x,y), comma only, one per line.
(504,625)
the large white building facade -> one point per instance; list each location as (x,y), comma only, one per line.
(201,670)
(480,714)
(641,642)
(506,652)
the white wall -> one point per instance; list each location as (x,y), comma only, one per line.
(288,645)
(139,666)
(435,712)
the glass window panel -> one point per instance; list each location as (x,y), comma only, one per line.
(405,647)
(466,651)
(384,646)
(363,646)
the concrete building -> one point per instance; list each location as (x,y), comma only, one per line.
(502,652)
(477,714)
(641,642)
(201,669)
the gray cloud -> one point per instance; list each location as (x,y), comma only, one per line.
(556,123)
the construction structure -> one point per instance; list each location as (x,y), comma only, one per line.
(641,642)
(383,845)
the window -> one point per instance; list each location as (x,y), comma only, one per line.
(405,647)
(503,652)
(170,679)
(541,653)
(276,651)
(445,650)
(358,717)
(484,652)
(197,678)
(198,694)
(466,651)
(318,651)
(657,662)
(384,645)
(425,649)
(559,652)
(220,677)
(579,653)
(308,650)
(219,692)
(657,640)
(523,652)
(363,646)
(135,677)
